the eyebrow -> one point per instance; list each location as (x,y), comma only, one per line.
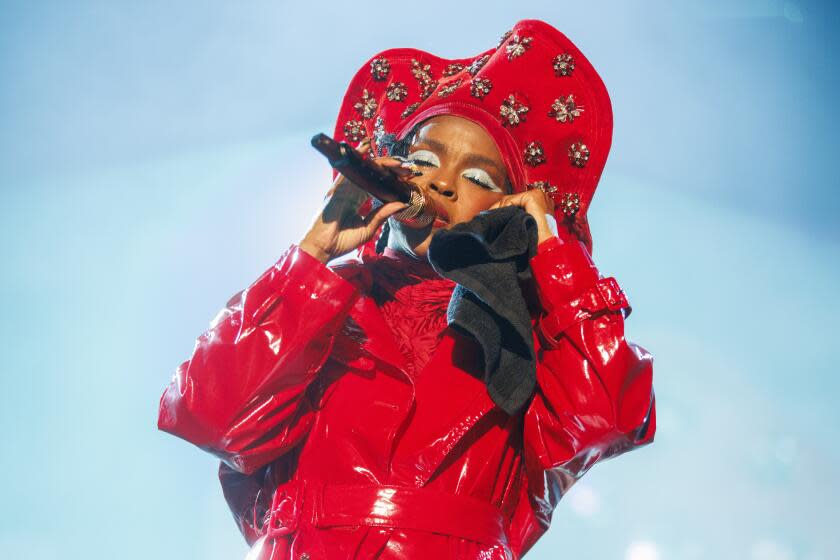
(471,159)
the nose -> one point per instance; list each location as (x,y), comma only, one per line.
(442,189)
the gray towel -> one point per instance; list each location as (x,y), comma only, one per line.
(488,257)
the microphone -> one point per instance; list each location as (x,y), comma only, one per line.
(377,181)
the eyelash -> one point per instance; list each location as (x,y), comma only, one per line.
(481,183)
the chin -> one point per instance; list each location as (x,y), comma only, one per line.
(413,241)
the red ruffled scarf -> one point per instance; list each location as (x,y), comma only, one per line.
(413,299)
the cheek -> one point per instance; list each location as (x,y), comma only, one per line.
(479,201)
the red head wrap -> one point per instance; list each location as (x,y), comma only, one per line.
(534,93)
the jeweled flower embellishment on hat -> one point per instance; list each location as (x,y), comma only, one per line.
(479,87)
(380,68)
(517,46)
(565,110)
(354,130)
(453,69)
(512,111)
(564,64)
(570,203)
(476,64)
(449,88)
(504,38)
(366,106)
(396,91)
(578,154)
(544,186)
(534,153)
(410,109)
(427,89)
(423,75)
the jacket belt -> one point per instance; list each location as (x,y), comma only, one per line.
(422,509)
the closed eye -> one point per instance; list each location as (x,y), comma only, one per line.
(481,178)
(424,157)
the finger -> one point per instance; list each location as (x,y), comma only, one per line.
(388,161)
(401,167)
(510,200)
(378,216)
(404,170)
(364,145)
(549,202)
(393,161)
(504,201)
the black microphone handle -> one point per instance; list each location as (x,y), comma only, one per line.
(366,174)
(376,180)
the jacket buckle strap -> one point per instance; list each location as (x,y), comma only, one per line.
(611,294)
(605,294)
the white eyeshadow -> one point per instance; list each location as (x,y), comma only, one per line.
(482,176)
(425,155)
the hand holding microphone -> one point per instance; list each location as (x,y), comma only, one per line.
(338,229)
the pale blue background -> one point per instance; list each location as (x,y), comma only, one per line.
(154,160)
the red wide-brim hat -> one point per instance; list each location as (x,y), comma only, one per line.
(534,92)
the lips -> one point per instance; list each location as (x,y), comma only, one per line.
(442,216)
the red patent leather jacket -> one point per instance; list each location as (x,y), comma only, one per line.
(332,446)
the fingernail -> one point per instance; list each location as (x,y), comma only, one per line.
(411,166)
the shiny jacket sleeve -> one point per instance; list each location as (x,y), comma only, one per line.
(241,394)
(594,398)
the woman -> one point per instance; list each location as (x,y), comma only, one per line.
(351,420)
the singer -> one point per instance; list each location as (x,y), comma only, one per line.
(437,395)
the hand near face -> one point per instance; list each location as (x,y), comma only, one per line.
(338,229)
(538,204)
